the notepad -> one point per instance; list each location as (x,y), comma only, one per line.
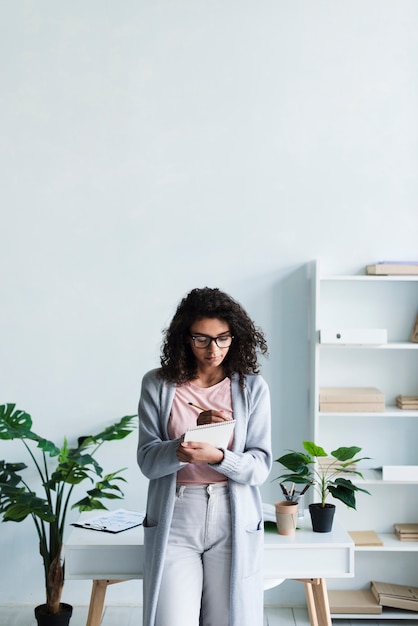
(218,434)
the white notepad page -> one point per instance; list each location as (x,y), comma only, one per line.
(218,434)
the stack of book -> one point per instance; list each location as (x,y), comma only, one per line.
(395,596)
(351,400)
(407,402)
(330,464)
(389,268)
(406,532)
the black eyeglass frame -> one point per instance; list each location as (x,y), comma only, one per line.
(210,339)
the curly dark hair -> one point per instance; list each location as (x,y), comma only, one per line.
(178,364)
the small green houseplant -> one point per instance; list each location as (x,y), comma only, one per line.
(330,479)
(60,469)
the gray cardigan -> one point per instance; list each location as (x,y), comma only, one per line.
(246,466)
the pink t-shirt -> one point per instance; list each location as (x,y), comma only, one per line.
(184,416)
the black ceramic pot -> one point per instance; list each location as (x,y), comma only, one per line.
(322,517)
(43,618)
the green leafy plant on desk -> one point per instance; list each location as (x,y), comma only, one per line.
(60,469)
(330,479)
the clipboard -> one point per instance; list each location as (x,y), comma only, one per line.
(112,521)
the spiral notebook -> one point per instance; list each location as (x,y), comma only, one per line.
(218,434)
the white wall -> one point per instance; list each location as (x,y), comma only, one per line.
(151,147)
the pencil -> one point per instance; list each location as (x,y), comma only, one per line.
(285,491)
(196,406)
(305,489)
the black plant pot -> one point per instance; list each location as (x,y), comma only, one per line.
(322,517)
(43,618)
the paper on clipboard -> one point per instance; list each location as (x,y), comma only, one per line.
(112,521)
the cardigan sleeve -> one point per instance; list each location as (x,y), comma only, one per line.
(156,453)
(252,463)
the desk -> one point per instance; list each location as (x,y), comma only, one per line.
(310,557)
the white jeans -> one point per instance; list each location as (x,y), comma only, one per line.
(196,579)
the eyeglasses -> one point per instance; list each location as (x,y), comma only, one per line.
(204,341)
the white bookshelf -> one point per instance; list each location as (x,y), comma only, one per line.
(389,437)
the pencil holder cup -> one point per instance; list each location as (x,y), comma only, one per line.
(286,517)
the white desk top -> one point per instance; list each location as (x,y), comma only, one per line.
(95,555)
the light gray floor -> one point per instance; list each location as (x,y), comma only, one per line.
(131,616)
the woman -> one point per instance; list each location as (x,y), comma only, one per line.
(203,526)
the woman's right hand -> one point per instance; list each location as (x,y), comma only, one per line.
(212,417)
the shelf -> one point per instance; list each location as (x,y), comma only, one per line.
(390,411)
(390,544)
(391,614)
(394,345)
(372,278)
(372,476)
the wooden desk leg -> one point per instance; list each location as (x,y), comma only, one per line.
(317,601)
(97,598)
(310,603)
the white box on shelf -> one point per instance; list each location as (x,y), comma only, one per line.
(404,473)
(353,336)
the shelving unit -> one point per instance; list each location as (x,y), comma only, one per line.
(389,437)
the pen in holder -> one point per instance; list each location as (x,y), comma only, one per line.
(298,497)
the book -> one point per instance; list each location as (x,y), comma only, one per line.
(351,407)
(325,462)
(388,268)
(406,537)
(353,601)
(351,394)
(407,402)
(218,434)
(406,532)
(329,465)
(395,596)
(365,538)
(396,602)
(406,528)
(112,521)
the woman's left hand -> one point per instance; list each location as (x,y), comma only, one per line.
(198,452)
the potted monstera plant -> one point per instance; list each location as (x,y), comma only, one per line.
(59,469)
(329,473)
